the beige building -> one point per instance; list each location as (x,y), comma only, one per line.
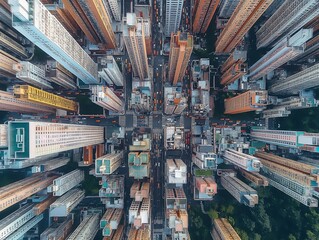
(180,51)
(134,39)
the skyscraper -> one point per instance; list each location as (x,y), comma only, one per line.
(305,79)
(36,23)
(289,139)
(244,17)
(180,52)
(291,16)
(252,100)
(173,16)
(115,8)
(109,71)
(34,139)
(93,19)
(134,39)
(227,7)
(281,53)
(106,98)
(204,11)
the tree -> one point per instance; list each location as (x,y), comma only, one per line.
(213,214)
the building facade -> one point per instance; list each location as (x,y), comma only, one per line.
(134,39)
(180,51)
(173,16)
(204,11)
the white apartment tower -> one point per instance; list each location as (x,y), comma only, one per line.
(173,16)
(35,139)
(106,98)
(109,71)
(134,39)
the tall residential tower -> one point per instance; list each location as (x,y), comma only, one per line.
(134,39)
(181,50)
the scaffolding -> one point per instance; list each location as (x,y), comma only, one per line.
(39,96)
(290,17)
(35,22)
(87,228)
(32,74)
(11,104)
(66,182)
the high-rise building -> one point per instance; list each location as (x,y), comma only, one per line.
(173,16)
(15,225)
(141,100)
(134,39)
(66,203)
(243,18)
(140,190)
(175,100)
(223,230)
(139,164)
(300,81)
(252,100)
(200,86)
(6,64)
(290,17)
(114,6)
(285,50)
(296,179)
(106,98)
(139,213)
(109,71)
(174,138)
(32,74)
(254,177)
(87,229)
(176,171)
(36,95)
(93,19)
(284,106)
(60,75)
(18,191)
(204,157)
(66,182)
(112,191)
(35,22)
(240,190)
(290,139)
(58,230)
(144,10)
(234,72)
(3,136)
(204,11)
(180,51)
(204,188)
(227,7)
(34,139)
(108,163)
(175,198)
(242,160)
(110,221)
